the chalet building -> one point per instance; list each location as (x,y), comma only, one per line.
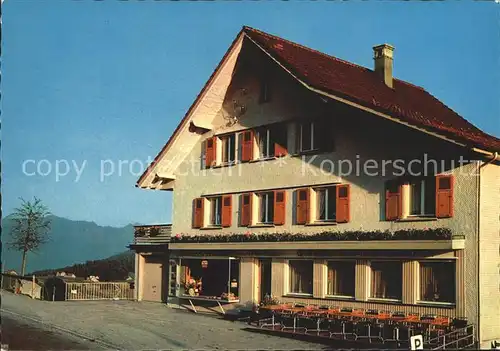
(313,180)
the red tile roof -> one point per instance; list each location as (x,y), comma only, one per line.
(406,102)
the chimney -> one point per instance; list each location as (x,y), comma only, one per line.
(382,54)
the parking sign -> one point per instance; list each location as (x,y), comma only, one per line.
(417,342)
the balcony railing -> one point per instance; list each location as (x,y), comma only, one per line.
(152,234)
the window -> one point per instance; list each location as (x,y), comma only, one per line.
(228,148)
(266,207)
(216,211)
(301,276)
(437,281)
(266,144)
(210,278)
(341,281)
(422,195)
(308,136)
(386,280)
(326,204)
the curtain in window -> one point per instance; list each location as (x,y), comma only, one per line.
(301,277)
(437,281)
(321,194)
(341,278)
(379,286)
(263,199)
(386,280)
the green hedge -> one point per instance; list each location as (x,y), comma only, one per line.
(409,234)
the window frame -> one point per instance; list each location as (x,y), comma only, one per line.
(313,143)
(340,296)
(423,183)
(269,144)
(228,141)
(215,206)
(400,289)
(269,211)
(290,272)
(421,299)
(327,189)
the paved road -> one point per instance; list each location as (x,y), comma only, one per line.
(24,335)
(139,325)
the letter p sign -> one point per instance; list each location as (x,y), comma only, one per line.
(417,342)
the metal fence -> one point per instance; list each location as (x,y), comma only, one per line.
(98,291)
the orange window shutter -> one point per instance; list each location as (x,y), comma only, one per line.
(444,196)
(247,146)
(227,212)
(279,207)
(246,210)
(342,205)
(198,213)
(210,149)
(302,210)
(393,202)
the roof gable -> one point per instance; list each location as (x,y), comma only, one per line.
(407,102)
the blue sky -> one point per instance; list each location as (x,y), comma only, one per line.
(89,80)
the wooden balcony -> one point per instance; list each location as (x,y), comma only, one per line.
(152,234)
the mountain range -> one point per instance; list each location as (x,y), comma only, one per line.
(70,242)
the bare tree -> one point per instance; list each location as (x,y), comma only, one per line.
(30,229)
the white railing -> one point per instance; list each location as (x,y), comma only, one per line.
(99,291)
(458,339)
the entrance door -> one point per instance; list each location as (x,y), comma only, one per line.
(153,279)
(265,277)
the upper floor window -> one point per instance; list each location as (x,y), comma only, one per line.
(341,281)
(386,280)
(308,136)
(266,143)
(326,204)
(266,207)
(272,141)
(228,148)
(422,196)
(437,281)
(216,211)
(419,197)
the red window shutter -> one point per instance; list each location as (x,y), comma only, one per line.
(198,213)
(246,210)
(280,150)
(444,196)
(227,210)
(393,202)
(302,210)
(210,152)
(342,206)
(247,146)
(279,134)
(279,207)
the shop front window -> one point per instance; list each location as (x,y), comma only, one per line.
(210,278)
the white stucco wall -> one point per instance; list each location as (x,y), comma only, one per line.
(489,246)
